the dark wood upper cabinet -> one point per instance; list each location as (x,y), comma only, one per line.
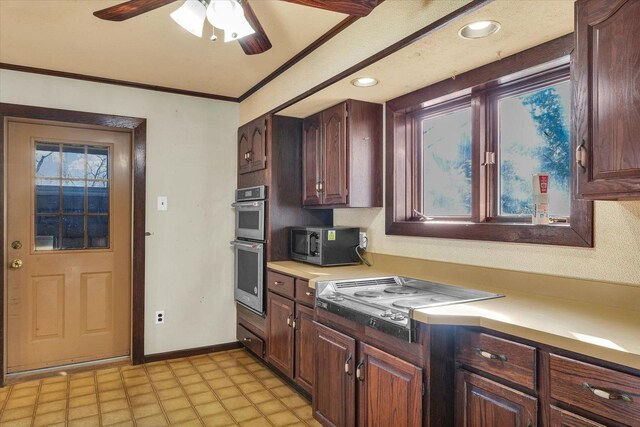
(481,402)
(343,156)
(312,161)
(280,333)
(252,143)
(333,184)
(389,390)
(334,393)
(607,99)
(304,347)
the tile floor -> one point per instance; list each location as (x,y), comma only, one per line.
(219,389)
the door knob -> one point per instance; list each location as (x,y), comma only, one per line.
(16,264)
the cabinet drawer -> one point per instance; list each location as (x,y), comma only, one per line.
(611,394)
(304,294)
(250,340)
(505,359)
(280,284)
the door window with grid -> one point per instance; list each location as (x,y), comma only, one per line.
(72,185)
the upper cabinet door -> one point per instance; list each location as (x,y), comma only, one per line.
(259,145)
(244,151)
(333,185)
(607,99)
(311,160)
(252,145)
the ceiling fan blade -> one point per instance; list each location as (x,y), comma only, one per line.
(257,42)
(350,7)
(130,9)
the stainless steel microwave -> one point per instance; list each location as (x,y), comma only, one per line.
(325,246)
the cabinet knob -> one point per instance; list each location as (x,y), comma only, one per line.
(278,283)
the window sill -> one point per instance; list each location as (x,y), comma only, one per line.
(552,234)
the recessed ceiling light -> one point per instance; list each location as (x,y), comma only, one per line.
(364,81)
(479,29)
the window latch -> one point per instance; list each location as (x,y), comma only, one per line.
(489,158)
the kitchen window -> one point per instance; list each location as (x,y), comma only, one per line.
(461,155)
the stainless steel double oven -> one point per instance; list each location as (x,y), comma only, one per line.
(249,245)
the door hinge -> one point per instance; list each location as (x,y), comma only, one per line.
(423,389)
(489,158)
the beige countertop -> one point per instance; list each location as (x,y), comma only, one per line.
(596,319)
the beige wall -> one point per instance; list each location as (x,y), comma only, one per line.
(615,257)
(190,159)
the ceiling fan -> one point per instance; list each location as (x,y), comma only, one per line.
(235,17)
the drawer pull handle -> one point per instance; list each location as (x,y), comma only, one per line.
(277,283)
(610,395)
(246,339)
(309,294)
(489,355)
(347,366)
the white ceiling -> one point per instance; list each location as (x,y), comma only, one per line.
(443,54)
(63,35)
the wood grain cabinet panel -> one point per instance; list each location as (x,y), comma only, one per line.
(481,402)
(281,284)
(304,347)
(503,358)
(602,391)
(252,144)
(250,340)
(562,418)
(607,99)
(334,392)
(334,167)
(389,390)
(342,156)
(312,160)
(280,333)
(304,294)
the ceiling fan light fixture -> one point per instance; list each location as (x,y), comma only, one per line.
(228,15)
(364,81)
(191,16)
(479,29)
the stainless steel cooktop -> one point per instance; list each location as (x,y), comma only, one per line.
(387,303)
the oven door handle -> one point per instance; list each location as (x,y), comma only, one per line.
(246,204)
(245,245)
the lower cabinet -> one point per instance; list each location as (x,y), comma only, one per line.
(304,347)
(389,389)
(280,343)
(481,402)
(290,327)
(334,391)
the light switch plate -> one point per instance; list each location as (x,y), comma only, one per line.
(162,203)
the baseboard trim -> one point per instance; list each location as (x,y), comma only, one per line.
(176,354)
